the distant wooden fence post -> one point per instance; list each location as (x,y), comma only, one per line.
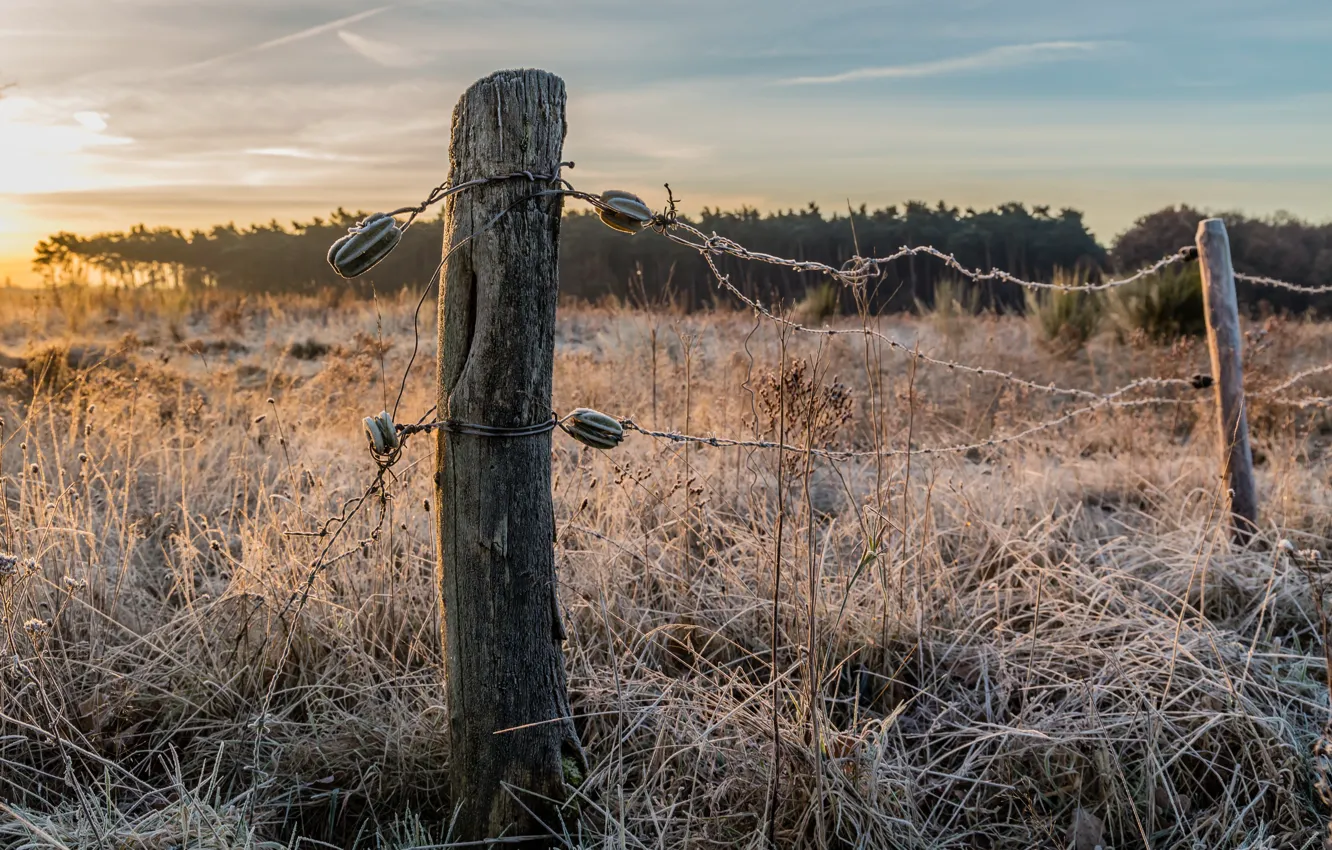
(503,655)
(1226,346)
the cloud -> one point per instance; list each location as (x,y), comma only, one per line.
(1008,56)
(299,153)
(380,52)
(95,121)
(300,35)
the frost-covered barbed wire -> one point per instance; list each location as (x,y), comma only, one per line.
(607,432)
(1295,379)
(1313,401)
(724,280)
(446,188)
(626,212)
(1259,280)
(858,271)
(957,448)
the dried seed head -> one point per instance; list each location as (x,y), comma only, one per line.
(72,584)
(214,545)
(37,629)
(35,469)
(9,565)
(83,457)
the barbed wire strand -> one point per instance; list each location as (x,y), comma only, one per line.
(444,189)
(1317,401)
(1259,280)
(1295,379)
(857,271)
(837,454)
(724,280)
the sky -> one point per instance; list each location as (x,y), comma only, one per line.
(195,112)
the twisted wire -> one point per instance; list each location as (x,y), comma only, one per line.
(1259,280)
(445,189)
(838,454)
(724,280)
(1295,379)
(858,271)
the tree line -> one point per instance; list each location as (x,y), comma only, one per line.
(597,262)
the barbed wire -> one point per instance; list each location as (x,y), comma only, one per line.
(1318,401)
(858,271)
(724,280)
(626,423)
(957,448)
(445,189)
(624,211)
(1307,289)
(1295,379)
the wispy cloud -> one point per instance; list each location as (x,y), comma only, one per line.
(301,35)
(380,52)
(95,121)
(300,153)
(1008,56)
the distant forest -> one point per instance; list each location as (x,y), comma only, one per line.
(597,262)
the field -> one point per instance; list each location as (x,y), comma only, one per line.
(1040,643)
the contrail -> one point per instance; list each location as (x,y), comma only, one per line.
(278,42)
(1008,56)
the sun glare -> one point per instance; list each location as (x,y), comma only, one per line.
(47,149)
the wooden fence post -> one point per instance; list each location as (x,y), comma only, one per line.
(503,656)
(1226,346)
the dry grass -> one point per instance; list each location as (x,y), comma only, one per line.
(971,648)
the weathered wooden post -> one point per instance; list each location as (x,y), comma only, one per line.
(503,658)
(1226,346)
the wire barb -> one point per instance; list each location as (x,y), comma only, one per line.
(1258,280)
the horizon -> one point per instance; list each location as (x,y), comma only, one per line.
(287,111)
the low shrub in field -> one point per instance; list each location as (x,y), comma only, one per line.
(1064,319)
(1162,307)
(820,302)
(954,303)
